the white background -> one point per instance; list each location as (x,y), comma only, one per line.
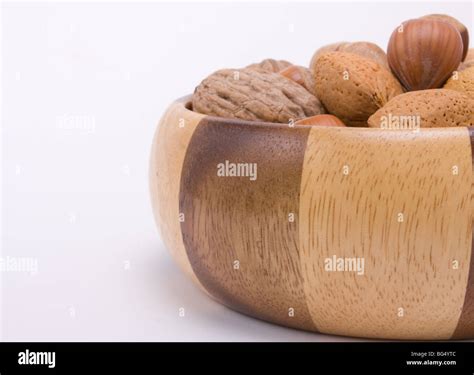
(83,86)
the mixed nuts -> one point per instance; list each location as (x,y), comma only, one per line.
(427,75)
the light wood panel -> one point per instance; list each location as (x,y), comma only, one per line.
(408,264)
(169,147)
(465,327)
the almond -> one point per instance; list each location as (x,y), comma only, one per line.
(429,108)
(353,87)
(333,47)
(463,82)
(364,49)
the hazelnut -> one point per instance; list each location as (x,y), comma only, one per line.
(424,52)
(458,25)
(323,120)
(300,75)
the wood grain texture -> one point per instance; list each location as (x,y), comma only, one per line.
(232,219)
(346,188)
(169,146)
(465,327)
(408,264)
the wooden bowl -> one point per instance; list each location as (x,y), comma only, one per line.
(347,231)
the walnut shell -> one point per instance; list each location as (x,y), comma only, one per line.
(463,82)
(270,65)
(254,95)
(353,87)
(364,49)
(431,108)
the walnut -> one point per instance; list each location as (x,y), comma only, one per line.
(270,65)
(254,95)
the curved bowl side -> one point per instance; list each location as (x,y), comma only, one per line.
(170,142)
(348,231)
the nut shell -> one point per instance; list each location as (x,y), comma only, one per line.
(322,120)
(462,82)
(353,87)
(270,65)
(423,53)
(435,108)
(300,75)
(333,47)
(469,61)
(254,95)
(458,25)
(364,49)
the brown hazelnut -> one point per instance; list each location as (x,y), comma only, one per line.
(300,75)
(458,25)
(323,120)
(424,52)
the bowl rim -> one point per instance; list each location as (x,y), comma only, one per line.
(185,103)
